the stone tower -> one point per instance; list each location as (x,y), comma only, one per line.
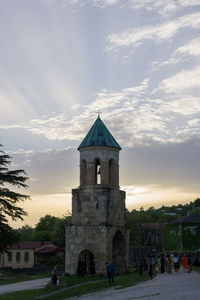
(97,233)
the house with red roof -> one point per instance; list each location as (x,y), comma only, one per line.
(28,254)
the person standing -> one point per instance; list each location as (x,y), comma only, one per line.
(153,262)
(93,268)
(110,269)
(54,277)
(158,263)
(184,262)
(148,262)
(169,264)
(162,263)
(189,263)
(176,262)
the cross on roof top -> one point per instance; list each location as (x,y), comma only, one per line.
(99,112)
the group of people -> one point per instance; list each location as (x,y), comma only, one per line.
(172,261)
(164,262)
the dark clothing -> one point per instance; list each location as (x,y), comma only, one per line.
(54,278)
(162,264)
(110,272)
(150,271)
(140,268)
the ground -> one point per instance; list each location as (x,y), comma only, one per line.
(24,285)
(175,286)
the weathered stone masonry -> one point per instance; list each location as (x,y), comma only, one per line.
(97,231)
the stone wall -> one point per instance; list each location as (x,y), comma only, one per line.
(104,154)
(99,204)
(99,241)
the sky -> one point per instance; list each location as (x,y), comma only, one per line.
(137,61)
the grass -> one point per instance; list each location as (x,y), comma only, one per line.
(195,268)
(126,280)
(6,278)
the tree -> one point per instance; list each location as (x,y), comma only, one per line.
(51,228)
(9,199)
(46,223)
(59,231)
(25,233)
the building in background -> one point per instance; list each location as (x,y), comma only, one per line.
(182,234)
(28,254)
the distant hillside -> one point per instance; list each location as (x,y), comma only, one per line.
(161,215)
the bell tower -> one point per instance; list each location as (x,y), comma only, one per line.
(97,232)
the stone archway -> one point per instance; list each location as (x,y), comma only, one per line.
(86,263)
(119,253)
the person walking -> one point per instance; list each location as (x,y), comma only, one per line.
(110,270)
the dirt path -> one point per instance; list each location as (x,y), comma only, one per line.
(175,286)
(24,285)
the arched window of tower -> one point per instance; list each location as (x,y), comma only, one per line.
(97,171)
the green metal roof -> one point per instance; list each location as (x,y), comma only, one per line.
(99,135)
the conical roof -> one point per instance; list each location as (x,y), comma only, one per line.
(99,135)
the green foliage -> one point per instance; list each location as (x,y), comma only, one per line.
(57,260)
(25,233)
(52,228)
(164,214)
(49,228)
(176,239)
(46,223)
(95,284)
(9,199)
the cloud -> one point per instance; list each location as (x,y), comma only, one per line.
(44,204)
(163,7)
(104,3)
(188,51)
(80,3)
(181,82)
(134,115)
(162,32)
(49,170)
(155,195)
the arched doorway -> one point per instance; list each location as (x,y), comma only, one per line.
(86,263)
(119,252)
